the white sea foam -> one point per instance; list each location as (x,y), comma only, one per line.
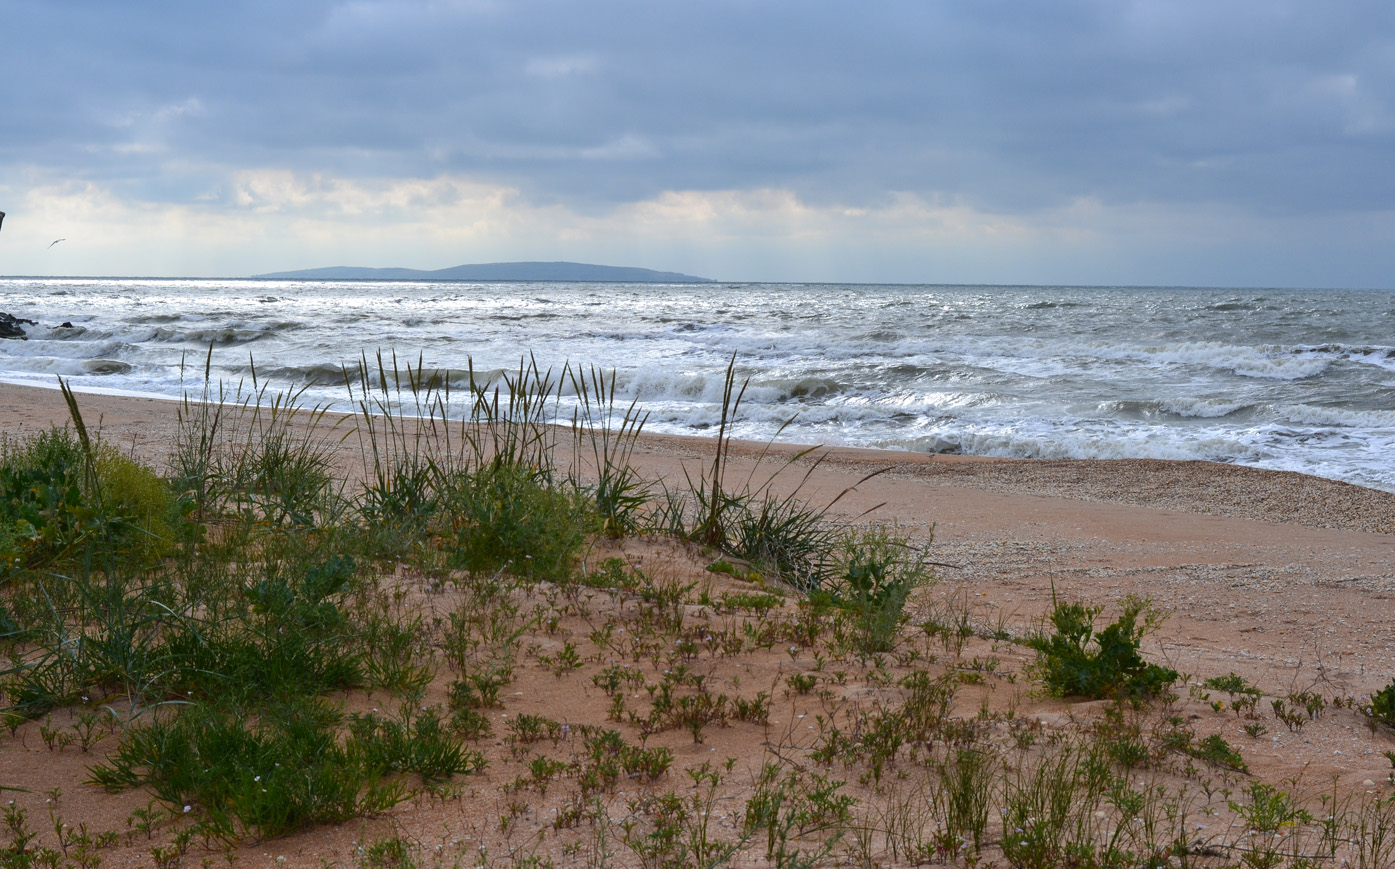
(1049,372)
(1268,362)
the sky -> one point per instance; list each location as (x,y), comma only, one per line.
(1152,142)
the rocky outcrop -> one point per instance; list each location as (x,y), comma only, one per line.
(10,326)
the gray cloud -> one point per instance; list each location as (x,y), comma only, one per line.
(1273,108)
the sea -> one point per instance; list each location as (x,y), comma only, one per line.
(1295,380)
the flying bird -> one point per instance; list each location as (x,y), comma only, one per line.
(55,241)
(2,218)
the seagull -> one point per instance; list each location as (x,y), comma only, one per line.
(2,218)
(55,241)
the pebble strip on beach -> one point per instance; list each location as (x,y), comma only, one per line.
(1190,487)
(1206,488)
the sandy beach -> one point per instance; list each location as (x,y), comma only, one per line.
(1284,579)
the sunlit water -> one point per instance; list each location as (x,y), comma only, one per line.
(1298,380)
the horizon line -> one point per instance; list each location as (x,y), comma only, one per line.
(710,281)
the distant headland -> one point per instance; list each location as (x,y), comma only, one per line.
(528,271)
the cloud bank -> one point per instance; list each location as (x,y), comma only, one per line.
(1076,142)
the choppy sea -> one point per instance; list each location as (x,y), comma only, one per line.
(1300,380)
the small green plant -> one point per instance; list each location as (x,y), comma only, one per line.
(296,637)
(1382,708)
(793,808)
(1215,750)
(508,517)
(525,729)
(1270,814)
(615,573)
(416,742)
(965,795)
(393,853)
(802,683)
(1077,662)
(1244,697)
(564,662)
(390,653)
(755,710)
(758,602)
(1231,683)
(1046,805)
(877,571)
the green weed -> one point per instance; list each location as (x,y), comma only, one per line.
(1382,706)
(261,776)
(1076,662)
(505,517)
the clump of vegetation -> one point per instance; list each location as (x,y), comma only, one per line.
(1076,662)
(876,571)
(261,775)
(505,517)
(1382,709)
(64,499)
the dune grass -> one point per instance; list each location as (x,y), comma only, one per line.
(263,644)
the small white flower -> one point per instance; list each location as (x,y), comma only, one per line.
(188,809)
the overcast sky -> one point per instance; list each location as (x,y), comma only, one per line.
(1071,141)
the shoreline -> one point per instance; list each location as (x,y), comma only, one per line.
(146,423)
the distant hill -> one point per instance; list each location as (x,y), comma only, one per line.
(533,271)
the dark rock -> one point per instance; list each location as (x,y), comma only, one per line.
(10,328)
(65,325)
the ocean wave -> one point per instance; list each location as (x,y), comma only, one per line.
(397,377)
(844,423)
(1066,443)
(811,387)
(884,335)
(519,318)
(658,386)
(1266,362)
(1202,408)
(221,336)
(88,346)
(1038,368)
(61,366)
(104,367)
(1381,356)
(66,333)
(1337,417)
(938,402)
